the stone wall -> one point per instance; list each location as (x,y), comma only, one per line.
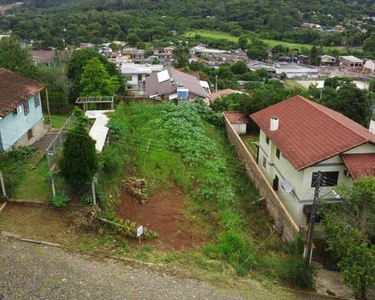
(274,204)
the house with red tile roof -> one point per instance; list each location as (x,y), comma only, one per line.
(298,138)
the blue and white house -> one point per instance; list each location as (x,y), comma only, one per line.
(21,117)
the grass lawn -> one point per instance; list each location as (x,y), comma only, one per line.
(250,140)
(58,121)
(293,84)
(33,185)
(271,43)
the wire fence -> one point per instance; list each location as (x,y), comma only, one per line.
(46,182)
(57,144)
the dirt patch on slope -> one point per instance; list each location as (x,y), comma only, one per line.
(163,214)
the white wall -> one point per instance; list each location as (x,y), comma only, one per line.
(303,192)
(240,128)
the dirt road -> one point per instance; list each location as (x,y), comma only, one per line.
(31,271)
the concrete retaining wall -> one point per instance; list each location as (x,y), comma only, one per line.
(275,206)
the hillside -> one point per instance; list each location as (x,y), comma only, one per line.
(98,21)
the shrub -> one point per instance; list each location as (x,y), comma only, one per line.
(297,274)
(80,160)
(87,199)
(60,200)
(114,160)
(235,249)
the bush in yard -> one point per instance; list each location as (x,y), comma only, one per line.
(298,274)
(60,200)
(80,160)
(235,249)
(87,199)
(79,117)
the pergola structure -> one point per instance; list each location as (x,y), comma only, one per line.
(96,100)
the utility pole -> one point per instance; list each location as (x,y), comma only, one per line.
(216,83)
(307,254)
(48,109)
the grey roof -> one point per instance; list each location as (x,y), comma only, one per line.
(176,79)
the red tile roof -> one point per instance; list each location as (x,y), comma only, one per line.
(222,93)
(359,165)
(236,117)
(14,89)
(309,133)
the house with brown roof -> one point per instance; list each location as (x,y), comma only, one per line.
(46,57)
(298,138)
(21,117)
(171,84)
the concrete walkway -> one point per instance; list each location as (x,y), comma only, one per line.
(45,142)
(99,130)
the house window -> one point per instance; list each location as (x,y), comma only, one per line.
(264,163)
(26,107)
(277,153)
(37,100)
(267,140)
(328,178)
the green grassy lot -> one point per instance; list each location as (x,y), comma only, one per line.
(33,185)
(58,121)
(271,43)
(178,146)
(294,85)
(250,140)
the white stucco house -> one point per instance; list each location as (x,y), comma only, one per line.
(238,121)
(136,74)
(298,138)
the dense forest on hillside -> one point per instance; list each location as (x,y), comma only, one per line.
(71,22)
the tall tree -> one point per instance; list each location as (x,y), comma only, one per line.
(369,43)
(16,58)
(350,228)
(257,50)
(242,42)
(75,69)
(350,101)
(80,161)
(314,56)
(96,81)
(182,56)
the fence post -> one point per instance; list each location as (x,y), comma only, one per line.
(93,191)
(3,184)
(53,185)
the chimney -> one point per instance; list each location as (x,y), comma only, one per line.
(275,123)
(372,125)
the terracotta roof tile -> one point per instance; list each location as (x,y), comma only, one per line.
(309,133)
(14,89)
(360,165)
(222,93)
(236,117)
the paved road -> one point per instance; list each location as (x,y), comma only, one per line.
(30,271)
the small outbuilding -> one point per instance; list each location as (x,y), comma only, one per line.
(238,120)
